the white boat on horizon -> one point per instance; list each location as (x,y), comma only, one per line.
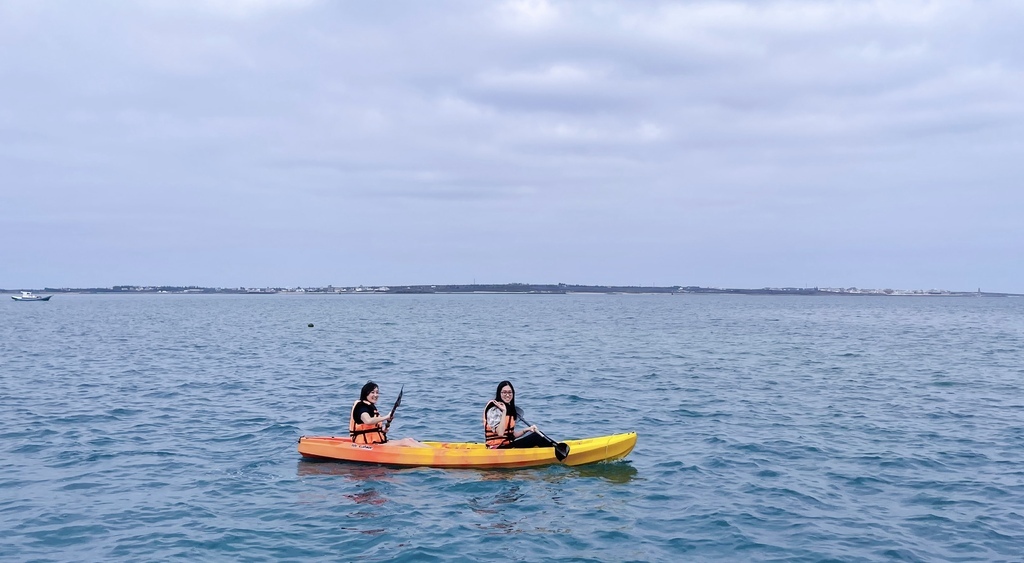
(29,296)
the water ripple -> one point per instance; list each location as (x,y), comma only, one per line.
(771,429)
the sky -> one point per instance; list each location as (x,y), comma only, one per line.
(745,144)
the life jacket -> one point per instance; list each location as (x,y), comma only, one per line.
(365,433)
(492,438)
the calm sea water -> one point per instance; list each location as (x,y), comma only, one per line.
(162,427)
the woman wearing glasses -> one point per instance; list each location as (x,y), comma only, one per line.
(500,422)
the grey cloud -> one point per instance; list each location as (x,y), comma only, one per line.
(721,143)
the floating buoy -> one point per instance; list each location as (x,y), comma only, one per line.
(310,325)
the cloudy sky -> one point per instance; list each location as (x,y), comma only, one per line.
(875,144)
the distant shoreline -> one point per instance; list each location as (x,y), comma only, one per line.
(517,288)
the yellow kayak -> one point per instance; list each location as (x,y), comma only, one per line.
(465,455)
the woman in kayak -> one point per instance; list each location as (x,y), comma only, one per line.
(366,425)
(500,422)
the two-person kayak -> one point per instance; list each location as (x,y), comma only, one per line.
(464,454)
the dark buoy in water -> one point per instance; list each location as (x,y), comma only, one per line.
(310,325)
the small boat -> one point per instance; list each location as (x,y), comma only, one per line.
(465,455)
(29,296)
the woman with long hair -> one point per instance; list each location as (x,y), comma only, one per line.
(500,418)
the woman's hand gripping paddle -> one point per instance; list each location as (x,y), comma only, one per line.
(561,448)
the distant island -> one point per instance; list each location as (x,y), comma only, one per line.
(519,288)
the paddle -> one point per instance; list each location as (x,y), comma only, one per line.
(398,402)
(561,448)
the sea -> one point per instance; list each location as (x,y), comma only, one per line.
(163,427)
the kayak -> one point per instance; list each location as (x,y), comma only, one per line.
(465,455)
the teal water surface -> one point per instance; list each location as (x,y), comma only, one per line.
(163,427)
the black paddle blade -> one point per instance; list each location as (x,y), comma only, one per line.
(398,401)
(561,448)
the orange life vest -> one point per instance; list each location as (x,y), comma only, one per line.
(365,433)
(492,438)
